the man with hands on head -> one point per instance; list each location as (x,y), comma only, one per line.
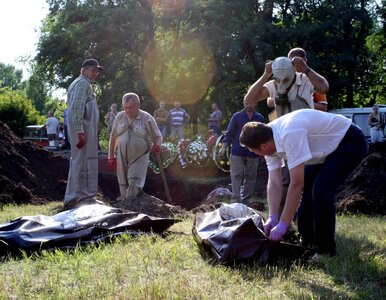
(299,60)
(321,149)
(133,134)
(287,91)
(83,118)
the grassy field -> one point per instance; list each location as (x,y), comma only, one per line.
(152,267)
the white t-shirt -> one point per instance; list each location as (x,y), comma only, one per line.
(52,124)
(306,135)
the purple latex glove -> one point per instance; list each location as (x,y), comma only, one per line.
(278,232)
(270,223)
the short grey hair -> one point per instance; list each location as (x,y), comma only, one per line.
(131,96)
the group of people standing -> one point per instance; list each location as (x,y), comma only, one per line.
(307,151)
(176,119)
(57,131)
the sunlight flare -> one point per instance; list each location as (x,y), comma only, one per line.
(181,70)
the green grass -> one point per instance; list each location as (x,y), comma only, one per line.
(152,267)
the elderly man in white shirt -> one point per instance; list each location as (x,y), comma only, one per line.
(321,149)
(133,135)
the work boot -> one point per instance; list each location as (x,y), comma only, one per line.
(132,191)
(122,192)
(91,201)
(71,204)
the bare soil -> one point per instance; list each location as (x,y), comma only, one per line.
(31,174)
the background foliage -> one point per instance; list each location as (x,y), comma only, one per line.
(203,51)
(17,110)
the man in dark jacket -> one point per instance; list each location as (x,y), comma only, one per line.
(243,162)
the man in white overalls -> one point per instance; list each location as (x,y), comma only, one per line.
(133,135)
(83,117)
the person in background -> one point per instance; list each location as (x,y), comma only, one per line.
(161,117)
(214,121)
(298,57)
(376,125)
(109,119)
(52,127)
(133,135)
(244,163)
(65,123)
(83,117)
(321,149)
(178,118)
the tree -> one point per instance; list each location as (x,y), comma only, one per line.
(110,31)
(17,111)
(377,47)
(334,33)
(11,77)
(239,34)
(209,50)
(38,90)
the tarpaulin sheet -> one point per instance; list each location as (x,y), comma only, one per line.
(234,232)
(82,225)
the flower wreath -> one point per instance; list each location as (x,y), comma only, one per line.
(223,163)
(168,155)
(181,146)
(196,152)
(211,141)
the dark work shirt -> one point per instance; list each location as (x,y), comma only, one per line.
(238,120)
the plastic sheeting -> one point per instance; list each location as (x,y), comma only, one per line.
(79,226)
(234,232)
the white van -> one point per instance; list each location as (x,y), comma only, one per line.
(360,116)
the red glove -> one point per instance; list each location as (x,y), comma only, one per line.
(156,148)
(81,140)
(112,164)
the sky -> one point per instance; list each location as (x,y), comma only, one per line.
(19,30)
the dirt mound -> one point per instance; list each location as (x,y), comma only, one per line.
(221,195)
(365,190)
(151,206)
(29,174)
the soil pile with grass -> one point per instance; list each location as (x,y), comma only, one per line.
(365,190)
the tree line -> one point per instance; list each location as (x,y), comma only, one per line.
(203,51)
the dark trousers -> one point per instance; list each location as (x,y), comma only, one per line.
(316,214)
(66,139)
(216,129)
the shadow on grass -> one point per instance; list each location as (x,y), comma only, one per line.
(358,268)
